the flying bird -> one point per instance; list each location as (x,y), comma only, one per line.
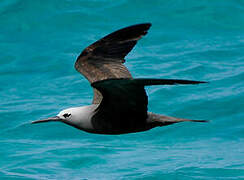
(120,102)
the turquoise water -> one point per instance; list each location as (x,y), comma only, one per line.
(198,40)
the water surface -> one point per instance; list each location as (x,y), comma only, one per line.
(198,40)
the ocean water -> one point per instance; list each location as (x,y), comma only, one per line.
(198,40)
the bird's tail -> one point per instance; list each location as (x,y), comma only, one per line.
(162,120)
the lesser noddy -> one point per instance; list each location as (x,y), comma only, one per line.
(120,102)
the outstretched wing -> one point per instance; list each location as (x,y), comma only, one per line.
(104,59)
(124,104)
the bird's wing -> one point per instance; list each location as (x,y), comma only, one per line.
(104,59)
(124,104)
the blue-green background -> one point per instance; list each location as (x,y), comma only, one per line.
(189,39)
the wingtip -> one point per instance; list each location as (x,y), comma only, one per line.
(148,24)
(145,25)
(202,82)
(193,82)
(205,121)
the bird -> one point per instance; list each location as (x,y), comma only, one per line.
(120,102)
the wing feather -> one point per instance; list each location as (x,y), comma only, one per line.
(104,59)
(124,104)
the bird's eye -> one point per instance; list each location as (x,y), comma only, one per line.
(67,115)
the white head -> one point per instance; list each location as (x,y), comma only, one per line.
(79,117)
(64,115)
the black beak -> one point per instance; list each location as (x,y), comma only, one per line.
(55,118)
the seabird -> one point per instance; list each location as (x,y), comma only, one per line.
(120,102)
